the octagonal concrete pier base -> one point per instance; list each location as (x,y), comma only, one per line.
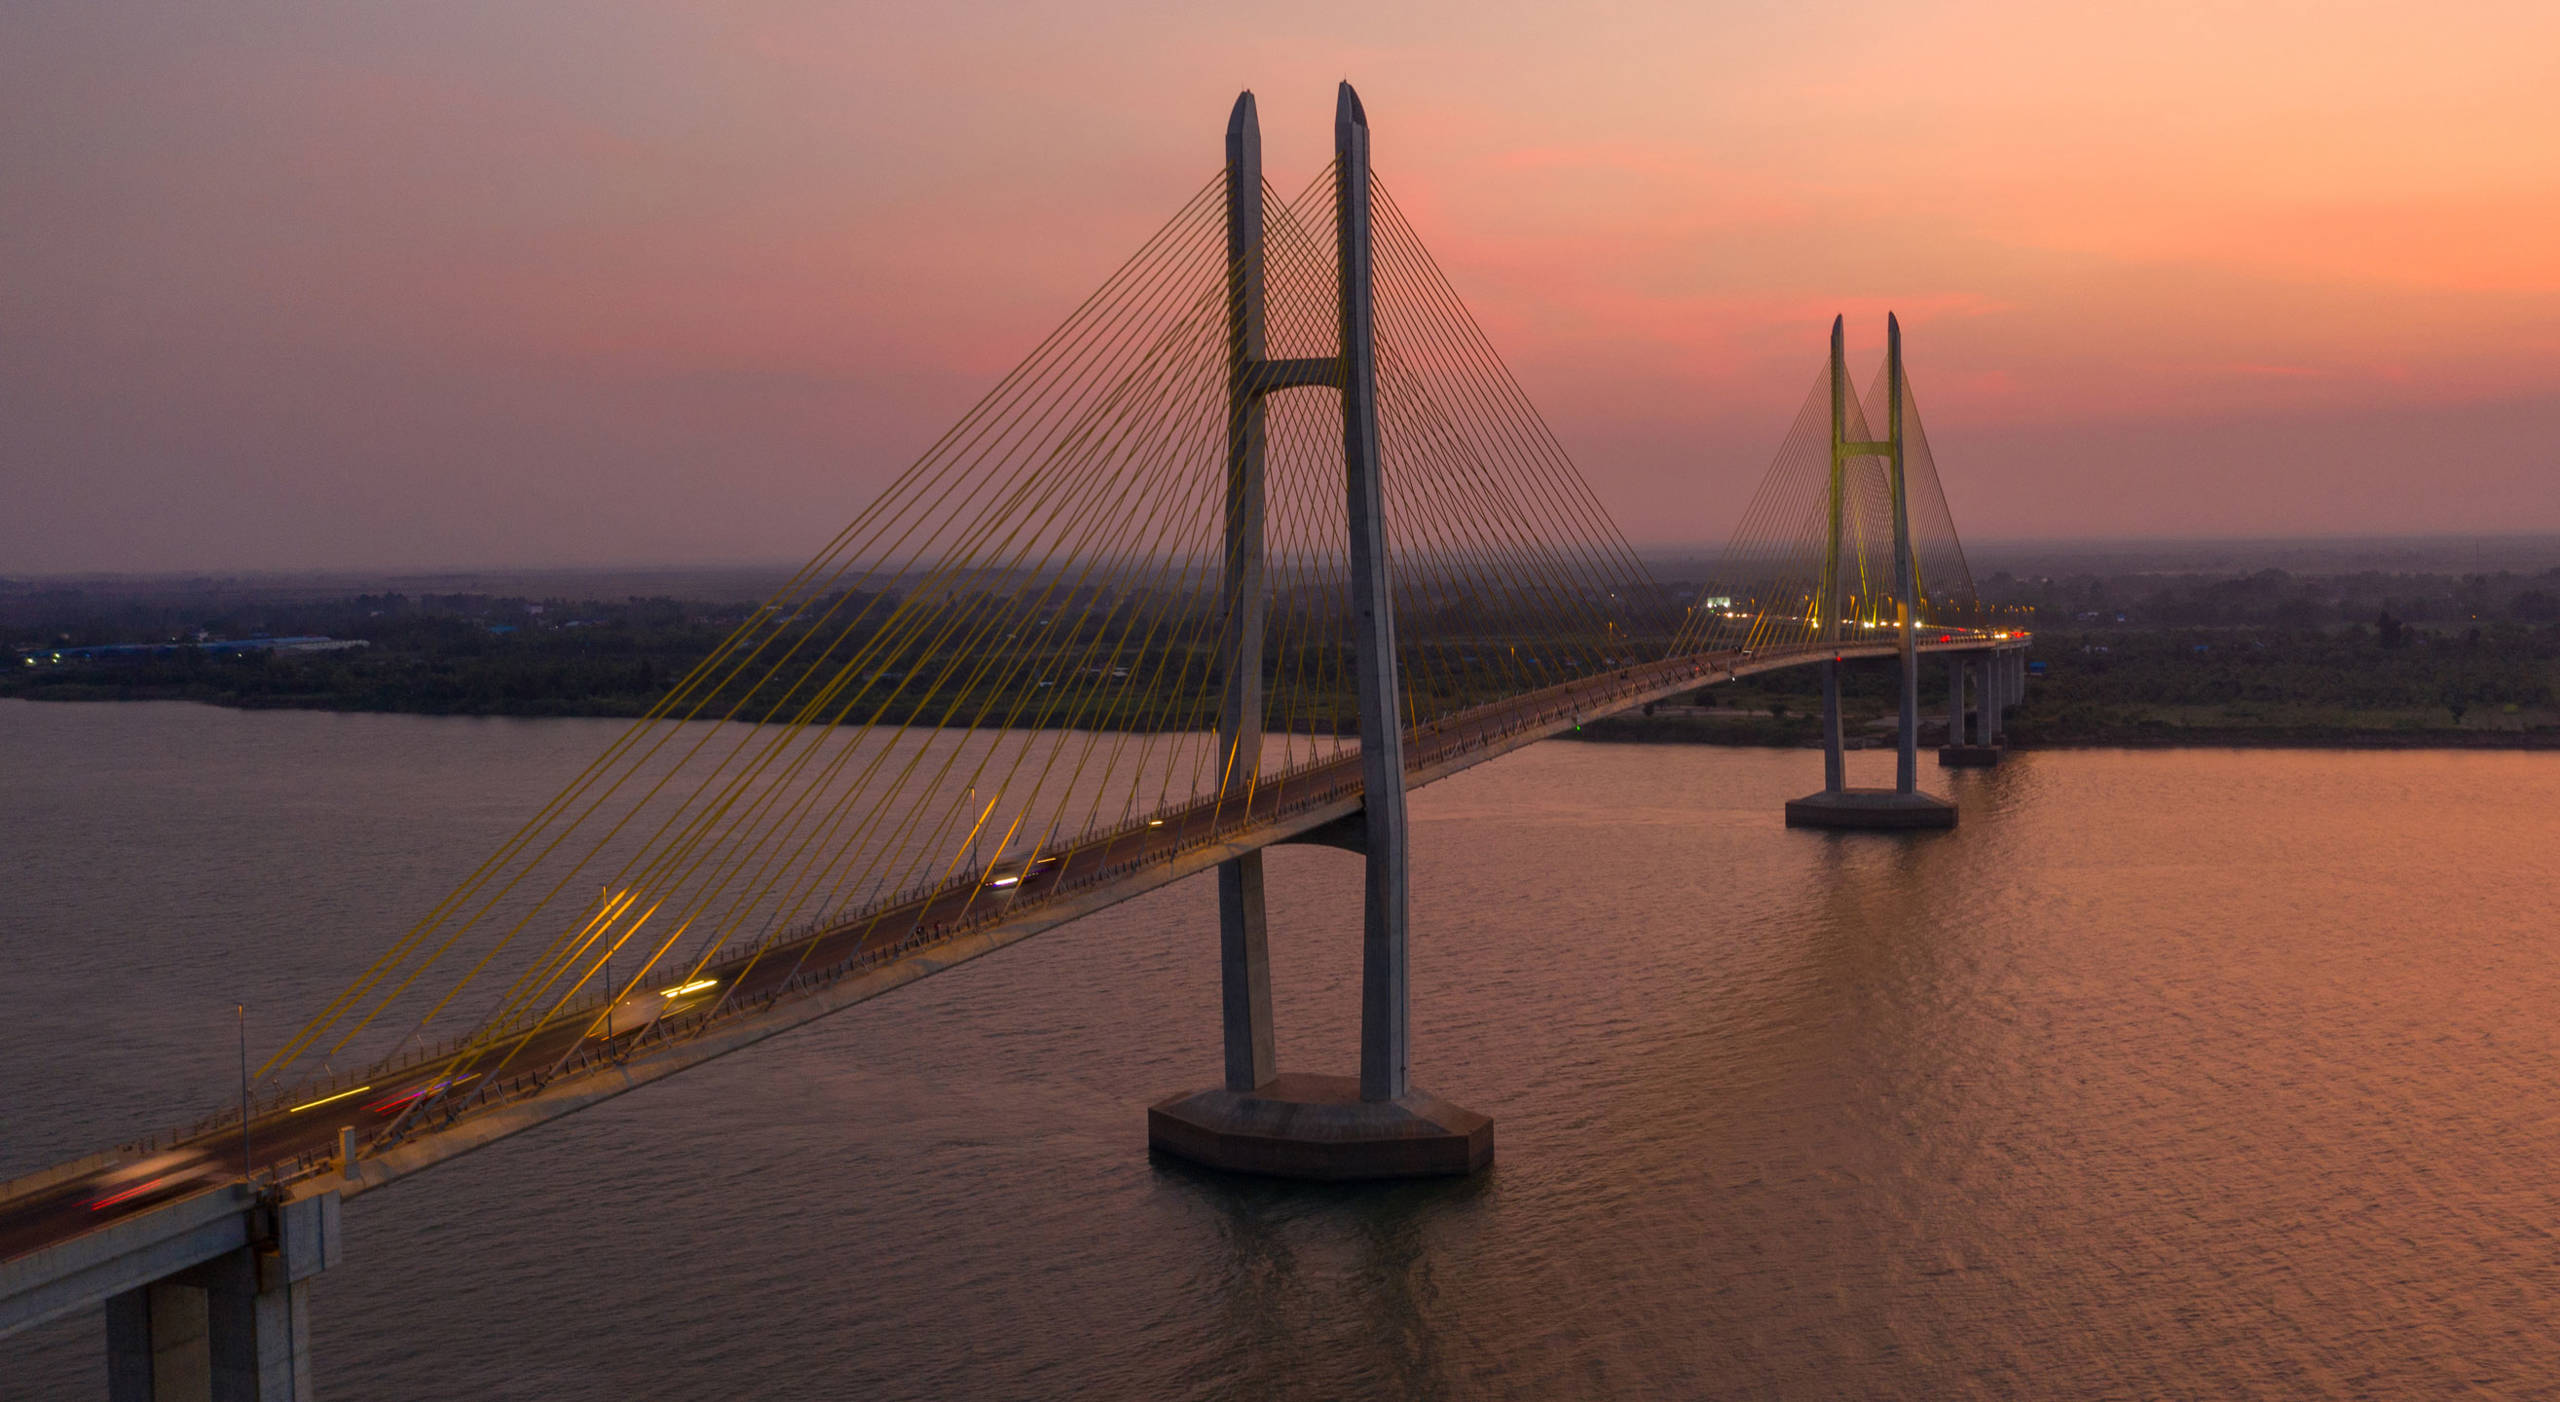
(1318,1127)
(1968,756)
(1883,809)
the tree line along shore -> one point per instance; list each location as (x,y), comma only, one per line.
(2267,658)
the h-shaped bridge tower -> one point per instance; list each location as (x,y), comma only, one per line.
(1261,1120)
(1837,805)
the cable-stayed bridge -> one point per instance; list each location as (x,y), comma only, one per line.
(1262,537)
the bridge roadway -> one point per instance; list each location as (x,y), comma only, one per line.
(560,1066)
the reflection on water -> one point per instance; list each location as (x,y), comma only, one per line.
(2166,1073)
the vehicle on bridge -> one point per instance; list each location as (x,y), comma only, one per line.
(638,1011)
(399,1101)
(161,1175)
(1010,873)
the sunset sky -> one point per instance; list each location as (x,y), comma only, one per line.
(569,281)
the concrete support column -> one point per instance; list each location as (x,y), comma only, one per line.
(1244,946)
(1384,996)
(1978,673)
(1994,697)
(1906,762)
(1834,771)
(1834,764)
(156,1344)
(1955,701)
(259,1334)
(1977,715)
(233,1329)
(1984,691)
(1906,577)
(1244,968)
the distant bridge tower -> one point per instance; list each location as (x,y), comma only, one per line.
(1261,1121)
(1838,805)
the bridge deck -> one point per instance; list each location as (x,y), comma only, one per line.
(558,1067)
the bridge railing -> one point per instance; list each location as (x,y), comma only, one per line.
(1545,707)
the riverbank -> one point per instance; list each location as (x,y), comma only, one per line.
(1799,732)
(1794,730)
(2490,687)
(386,701)
(2439,685)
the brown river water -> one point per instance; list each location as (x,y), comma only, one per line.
(2175,1073)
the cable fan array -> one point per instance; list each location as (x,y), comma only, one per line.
(1769,588)
(1017,643)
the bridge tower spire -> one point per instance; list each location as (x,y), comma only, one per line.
(1260,1121)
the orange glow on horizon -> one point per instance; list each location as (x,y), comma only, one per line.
(333,296)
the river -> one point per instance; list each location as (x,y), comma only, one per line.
(2167,1073)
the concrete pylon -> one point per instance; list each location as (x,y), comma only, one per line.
(1903,805)
(1835,769)
(1244,942)
(1386,917)
(1986,672)
(1262,1121)
(1974,750)
(236,1328)
(1906,572)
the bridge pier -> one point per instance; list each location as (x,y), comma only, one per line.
(1260,1121)
(1974,749)
(1995,698)
(1835,765)
(235,1328)
(1244,974)
(1904,805)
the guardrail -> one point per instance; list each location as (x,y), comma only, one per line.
(1516,716)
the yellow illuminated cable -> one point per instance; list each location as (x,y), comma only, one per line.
(1571,585)
(1613,546)
(327,1099)
(999,684)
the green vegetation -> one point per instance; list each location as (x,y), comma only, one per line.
(435,655)
(2267,658)
(2394,684)
(2360,658)
(1099,659)
(2262,658)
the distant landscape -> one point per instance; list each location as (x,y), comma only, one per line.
(2376,643)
